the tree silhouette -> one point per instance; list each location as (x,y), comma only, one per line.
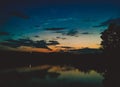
(111,46)
(111,38)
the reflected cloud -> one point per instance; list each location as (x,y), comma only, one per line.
(51,75)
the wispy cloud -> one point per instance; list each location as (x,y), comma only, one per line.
(108,22)
(86,33)
(54,29)
(53,42)
(66,47)
(63,38)
(89,20)
(72,33)
(36,36)
(61,19)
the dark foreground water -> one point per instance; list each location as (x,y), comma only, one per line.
(50,76)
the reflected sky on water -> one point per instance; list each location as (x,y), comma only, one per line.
(52,75)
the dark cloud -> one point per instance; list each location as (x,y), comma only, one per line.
(19,14)
(41,44)
(36,36)
(72,33)
(52,42)
(69,33)
(108,22)
(25,42)
(3,33)
(55,29)
(63,38)
(86,33)
(66,47)
(14,45)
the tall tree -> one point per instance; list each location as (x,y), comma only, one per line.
(111,38)
(111,46)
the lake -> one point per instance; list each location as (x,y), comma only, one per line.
(50,76)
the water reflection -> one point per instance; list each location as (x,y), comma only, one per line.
(50,75)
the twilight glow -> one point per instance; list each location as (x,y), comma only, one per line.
(44,26)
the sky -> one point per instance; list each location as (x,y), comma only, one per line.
(54,25)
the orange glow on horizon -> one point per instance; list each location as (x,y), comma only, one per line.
(53,48)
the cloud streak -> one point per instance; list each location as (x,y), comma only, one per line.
(66,47)
(54,29)
(52,42)
(25,42)
(108,22)
(36,36)
(72,33)
(63,38)
(69,32)
(86,33)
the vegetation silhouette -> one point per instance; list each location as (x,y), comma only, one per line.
(20,59)
(111,48)
(111,39)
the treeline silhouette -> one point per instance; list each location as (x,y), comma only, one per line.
(111,48)
(12,59)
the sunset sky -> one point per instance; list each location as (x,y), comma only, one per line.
(53,25)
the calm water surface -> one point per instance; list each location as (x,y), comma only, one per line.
(50,76)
